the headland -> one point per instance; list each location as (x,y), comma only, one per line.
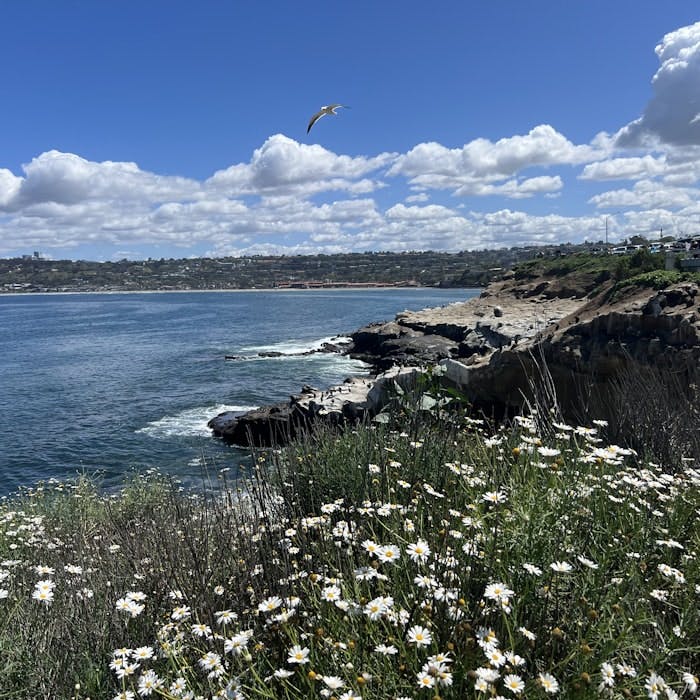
(576,324)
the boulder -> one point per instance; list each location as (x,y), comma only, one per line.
(263,427)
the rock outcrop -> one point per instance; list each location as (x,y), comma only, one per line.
(354,399)
(467,330)
(494,348)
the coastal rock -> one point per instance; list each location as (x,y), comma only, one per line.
(354,399)
(495,349)
(263,427)
(457,330)
(336,345)
(588,348)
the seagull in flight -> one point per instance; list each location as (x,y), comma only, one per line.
(328,109)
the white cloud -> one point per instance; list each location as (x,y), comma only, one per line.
(282,165)
(431,212)
(9,186)
(65,178)
(625,168)
(670,117)
(419,197)
(677,167)
(431,227)
(299,198)
(647,194)
(514,189)
(474,168)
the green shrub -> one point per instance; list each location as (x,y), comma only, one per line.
(658,279)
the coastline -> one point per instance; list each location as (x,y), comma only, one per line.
(587,332)
(359,288)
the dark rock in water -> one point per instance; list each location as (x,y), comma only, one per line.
(339,346)
(223,421)
(264,427)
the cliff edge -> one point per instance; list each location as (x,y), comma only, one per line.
(584,324)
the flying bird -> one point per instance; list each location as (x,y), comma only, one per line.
(328,109)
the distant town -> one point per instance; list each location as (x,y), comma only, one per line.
(33,273)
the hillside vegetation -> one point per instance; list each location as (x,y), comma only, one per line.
(465,269)
(583,274)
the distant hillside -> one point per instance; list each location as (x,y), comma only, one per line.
(464,269)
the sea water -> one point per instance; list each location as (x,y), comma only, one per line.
(106,384)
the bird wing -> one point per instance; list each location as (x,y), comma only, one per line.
(314,119)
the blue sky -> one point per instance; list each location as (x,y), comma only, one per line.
(178,128)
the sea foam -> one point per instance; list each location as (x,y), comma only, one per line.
(191,422)
(296,346)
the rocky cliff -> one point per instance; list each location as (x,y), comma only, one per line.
(495,346)
(583,328)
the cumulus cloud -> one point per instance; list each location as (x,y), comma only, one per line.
(625,168)
(65,178)
(286,166)
(475,167)
(418,197)
(430,227)
(671,116)
(431,212)
(514,189)
(647,195)
(671,168)
(62,200)
(296,198)
(9,186)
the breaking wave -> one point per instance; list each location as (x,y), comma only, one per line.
(191,422)
(296,347)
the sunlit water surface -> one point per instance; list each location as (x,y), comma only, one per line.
(111,383)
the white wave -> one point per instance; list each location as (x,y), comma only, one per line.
(341,364)
(296,346)
(191,423)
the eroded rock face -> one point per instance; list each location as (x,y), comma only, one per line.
(494,347)
(478,326)
(586,349)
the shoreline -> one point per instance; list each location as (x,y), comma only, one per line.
(218,291)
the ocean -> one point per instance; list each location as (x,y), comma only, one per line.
(106,384)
